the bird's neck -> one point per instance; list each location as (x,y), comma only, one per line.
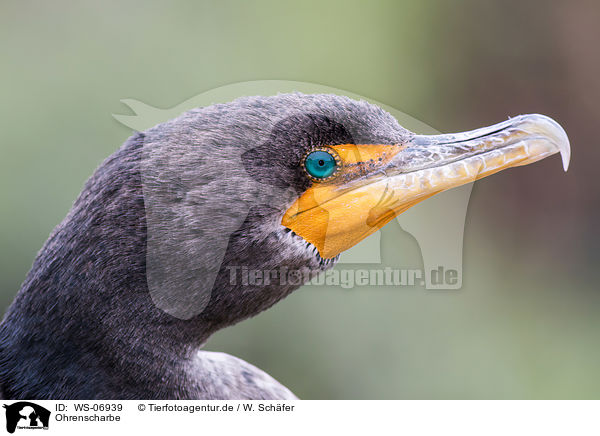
(84,316)
(84,324)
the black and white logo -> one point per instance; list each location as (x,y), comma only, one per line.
(27,416)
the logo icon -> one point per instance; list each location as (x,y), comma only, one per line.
(26,415)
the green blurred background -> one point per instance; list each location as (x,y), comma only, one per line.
(525,324)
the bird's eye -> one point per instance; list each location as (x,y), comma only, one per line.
(320,164)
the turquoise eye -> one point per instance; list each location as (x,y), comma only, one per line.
(320,164)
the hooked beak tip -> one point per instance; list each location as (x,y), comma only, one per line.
(551,130)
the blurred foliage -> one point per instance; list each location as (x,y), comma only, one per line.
(525,324)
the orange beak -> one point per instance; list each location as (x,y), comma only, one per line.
(378,182)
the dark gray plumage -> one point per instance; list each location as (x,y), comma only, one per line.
(84,324)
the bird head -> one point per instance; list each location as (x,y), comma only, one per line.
(294,180)
(158,251)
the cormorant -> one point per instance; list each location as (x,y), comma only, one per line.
(128,287)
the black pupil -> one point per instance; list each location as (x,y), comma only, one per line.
(321,162)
